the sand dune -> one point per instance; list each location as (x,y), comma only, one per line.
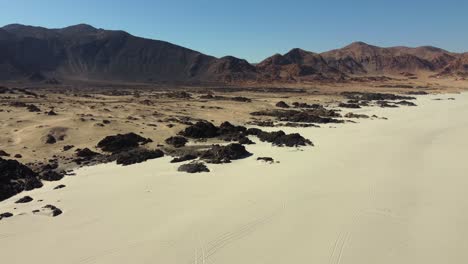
(379,191)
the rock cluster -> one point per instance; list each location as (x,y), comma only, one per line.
(224,154)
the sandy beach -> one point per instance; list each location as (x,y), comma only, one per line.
(377,191)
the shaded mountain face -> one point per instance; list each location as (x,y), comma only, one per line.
(84,52)
(297,65)
(361,58)
(458,67)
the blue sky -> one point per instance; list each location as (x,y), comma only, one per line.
(256,29)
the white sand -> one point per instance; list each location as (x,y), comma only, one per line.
(379,191)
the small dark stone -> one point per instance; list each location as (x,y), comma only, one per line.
(68,147)
(5,215)
(50,139)
(85,153)
(282,104)
(18,156)
(266,159)
(55,211)
(4,154)
(59,186)
(25,199)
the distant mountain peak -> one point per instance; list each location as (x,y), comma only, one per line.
(80,27)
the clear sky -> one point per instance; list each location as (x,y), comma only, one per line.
(256,29)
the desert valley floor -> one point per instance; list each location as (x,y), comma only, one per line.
(375,191)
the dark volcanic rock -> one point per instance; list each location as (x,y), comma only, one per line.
(320,116)
(4,154)
(50,139)
(18,156)
(60,186)
(51,176)
(51,113)
(138,156)
(407,103)
(54,210)
(305,105)
(385,104)
(374,96)
(224,154)
(282,104)
(279,138)
(201,129)
(5,215)
(121,142)
(33,108)
(353,115)
(86,153)
(266,159)
(15,178)
(176,141)
(349,105)
(185,157)
(246,141)
(193,167)
(25,199)
(68,147)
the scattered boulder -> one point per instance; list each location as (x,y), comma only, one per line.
(18,156)
(282,104)
(15,178)
(176,141)
(122,142)
(4,154)
(201,129)
(51,175)
(138,156)
(49,210)
(51,113)
(193,167)
(25,199)
(224,154)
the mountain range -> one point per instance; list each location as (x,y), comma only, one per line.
(82,52)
